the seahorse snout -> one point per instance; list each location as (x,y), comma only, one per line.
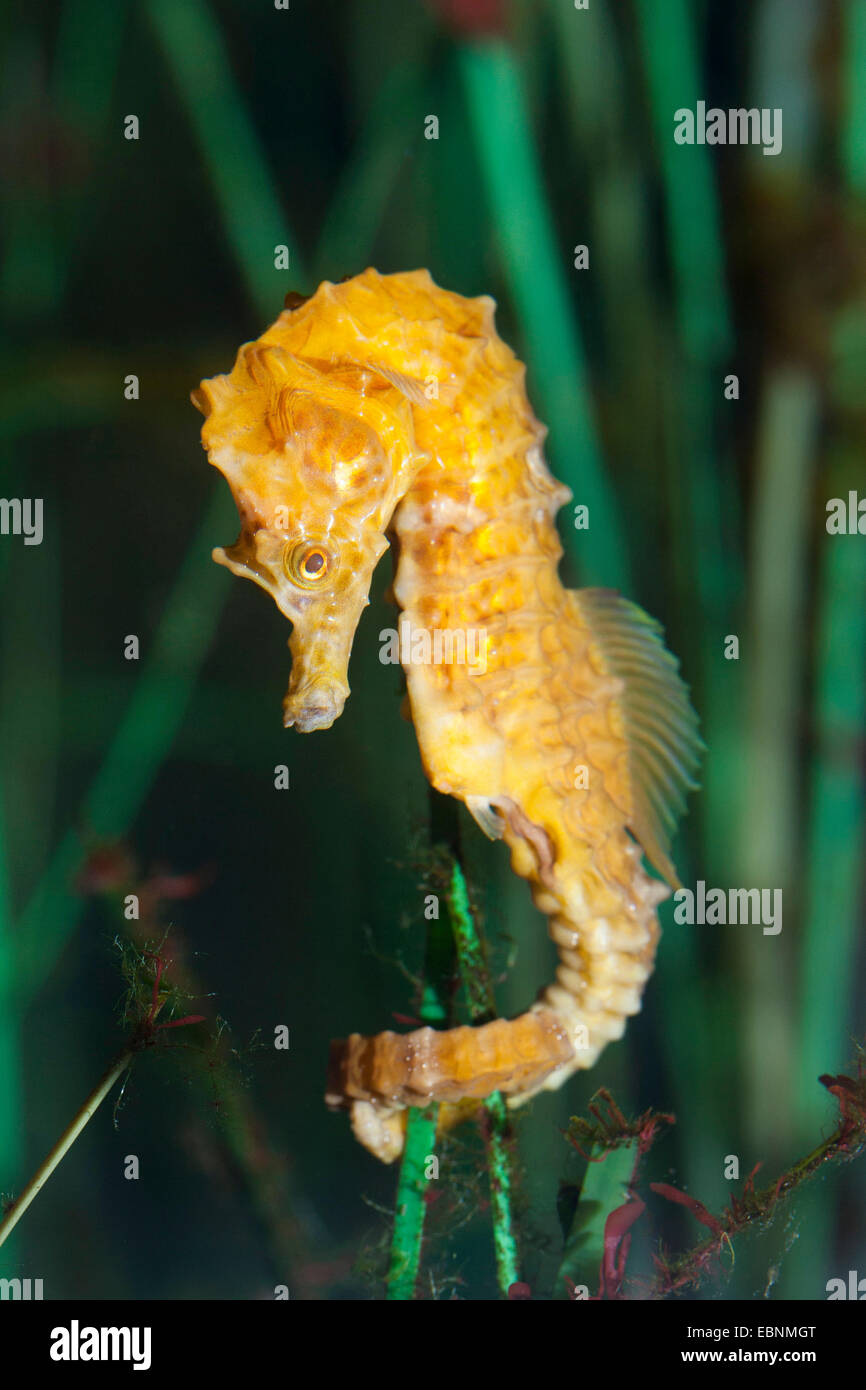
(315,706)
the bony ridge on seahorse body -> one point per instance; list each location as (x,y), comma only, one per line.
(386,406)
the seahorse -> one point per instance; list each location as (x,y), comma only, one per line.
(384,408)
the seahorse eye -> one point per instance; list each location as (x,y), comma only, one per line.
(312,563)
(307,565)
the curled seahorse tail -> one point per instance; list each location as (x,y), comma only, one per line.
(605,928)
(606,931)
(378,1077)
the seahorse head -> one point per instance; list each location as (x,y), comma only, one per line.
(317,455)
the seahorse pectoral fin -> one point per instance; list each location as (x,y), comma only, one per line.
(495,818)
(486,815)
(661,727)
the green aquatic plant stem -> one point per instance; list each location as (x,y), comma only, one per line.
(498,1140)
(772,675)
(29,745)
(40,236)
(605,1187)
(355,212)
(411,1206)
(701,505)
(10,1025)
(155,710)
(853,20)
(674,79)
(471,961)
(195,51)
(836,833)
(255,225)
(420,1142)
(836,820)
(144,1003)
(43,221)
(708,573)
(81,1118)
(459,933)
(496,1127)
(594,86)
(534,261)
(195,604)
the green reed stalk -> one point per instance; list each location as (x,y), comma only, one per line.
(36,261)
(412,1183)
(836,824)
(29,745)
(594,89)
(144,735)
(604,1188)
(245,193)
(772,664)
(40,229)
(836,837)
(703,509)
(366,182)
(196,52)
(475,977)
(410,1209)
(535,261)
(59,1150)
(252,216)
(10,1026)
(853,20)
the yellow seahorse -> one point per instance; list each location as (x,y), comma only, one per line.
(386,406)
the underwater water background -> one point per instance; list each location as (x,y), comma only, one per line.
(306,128)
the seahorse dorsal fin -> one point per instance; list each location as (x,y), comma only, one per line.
(661,726)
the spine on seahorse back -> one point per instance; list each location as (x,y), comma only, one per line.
(567,729)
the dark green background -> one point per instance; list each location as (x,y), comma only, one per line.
(156,257)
